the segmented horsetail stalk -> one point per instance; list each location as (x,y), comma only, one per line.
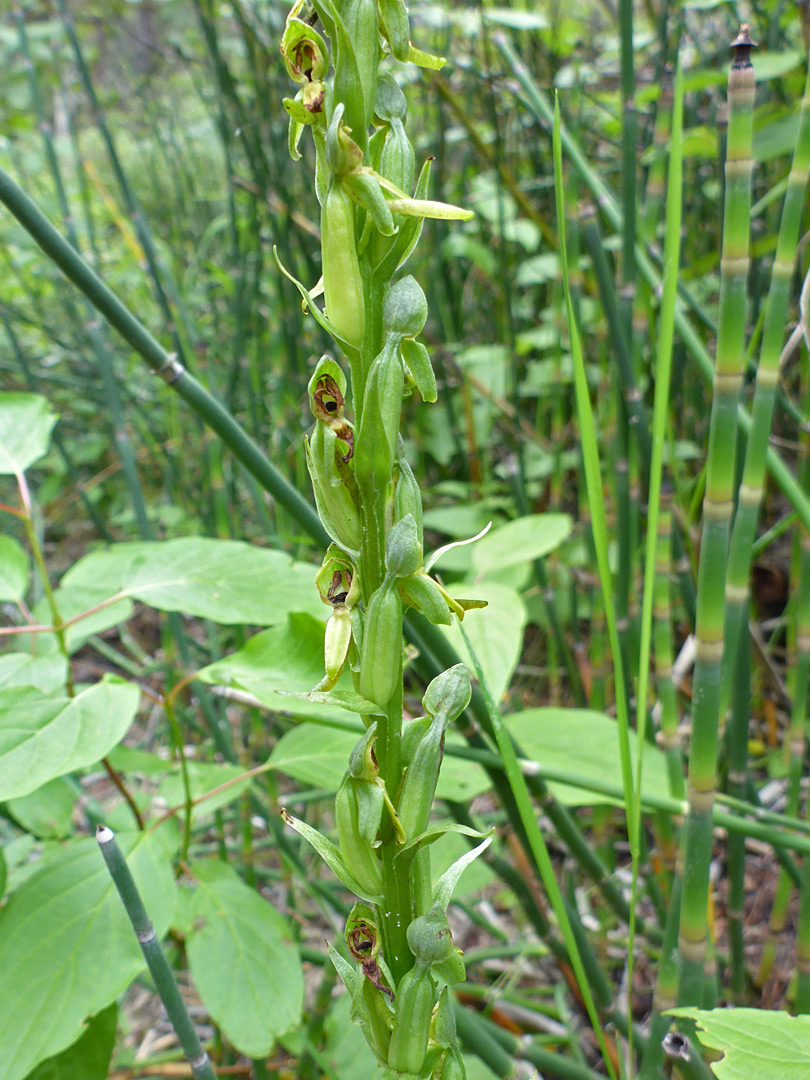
(801,670)
(717,509)
(773,334)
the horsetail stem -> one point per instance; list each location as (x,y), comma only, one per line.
(717,508)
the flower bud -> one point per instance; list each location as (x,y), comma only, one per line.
(408,496)
(336,507)
(362,25)
(403,552)
(394,17)
(379,424)
(419,785)
(448,695)
(342,279)
(404,308)
(357,850)
(444,1020)
(417,360)
(424,594)
(413,1007)
(381,657)
(429,937)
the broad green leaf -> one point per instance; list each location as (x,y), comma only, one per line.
(495,632)
(68,946)
(13,569)
(288,657)
(42,737)
(522,540)
(585,743)
(756,1044)
(3,874)
(87,1059)
(242,959)
(47,811)
(314,755)
(47,673)
(26,422)
(224,580)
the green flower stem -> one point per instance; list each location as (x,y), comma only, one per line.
(155,958)
(159,360)
(717,507)
(753,478)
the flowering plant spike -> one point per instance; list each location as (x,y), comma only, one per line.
(346,58)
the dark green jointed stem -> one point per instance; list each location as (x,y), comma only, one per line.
(801,645)
(153,954)
(717,508)
(753,479)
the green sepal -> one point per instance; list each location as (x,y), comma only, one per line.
(364,188)
(408,495)
(397,160)
(405,309)
(451,970)
(348,86)
(417,360)
(443,1032)
(390,258)
(448,695)
(413,1008)
(425,59)
(430,938)
(395,27)
(370,804)
(362,25)
(390,104)
(334,503)
(421,592)
(412,734)
(451,1066)
(355,847)
(403,552)
(331,855)
(379,422)
(362,762)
